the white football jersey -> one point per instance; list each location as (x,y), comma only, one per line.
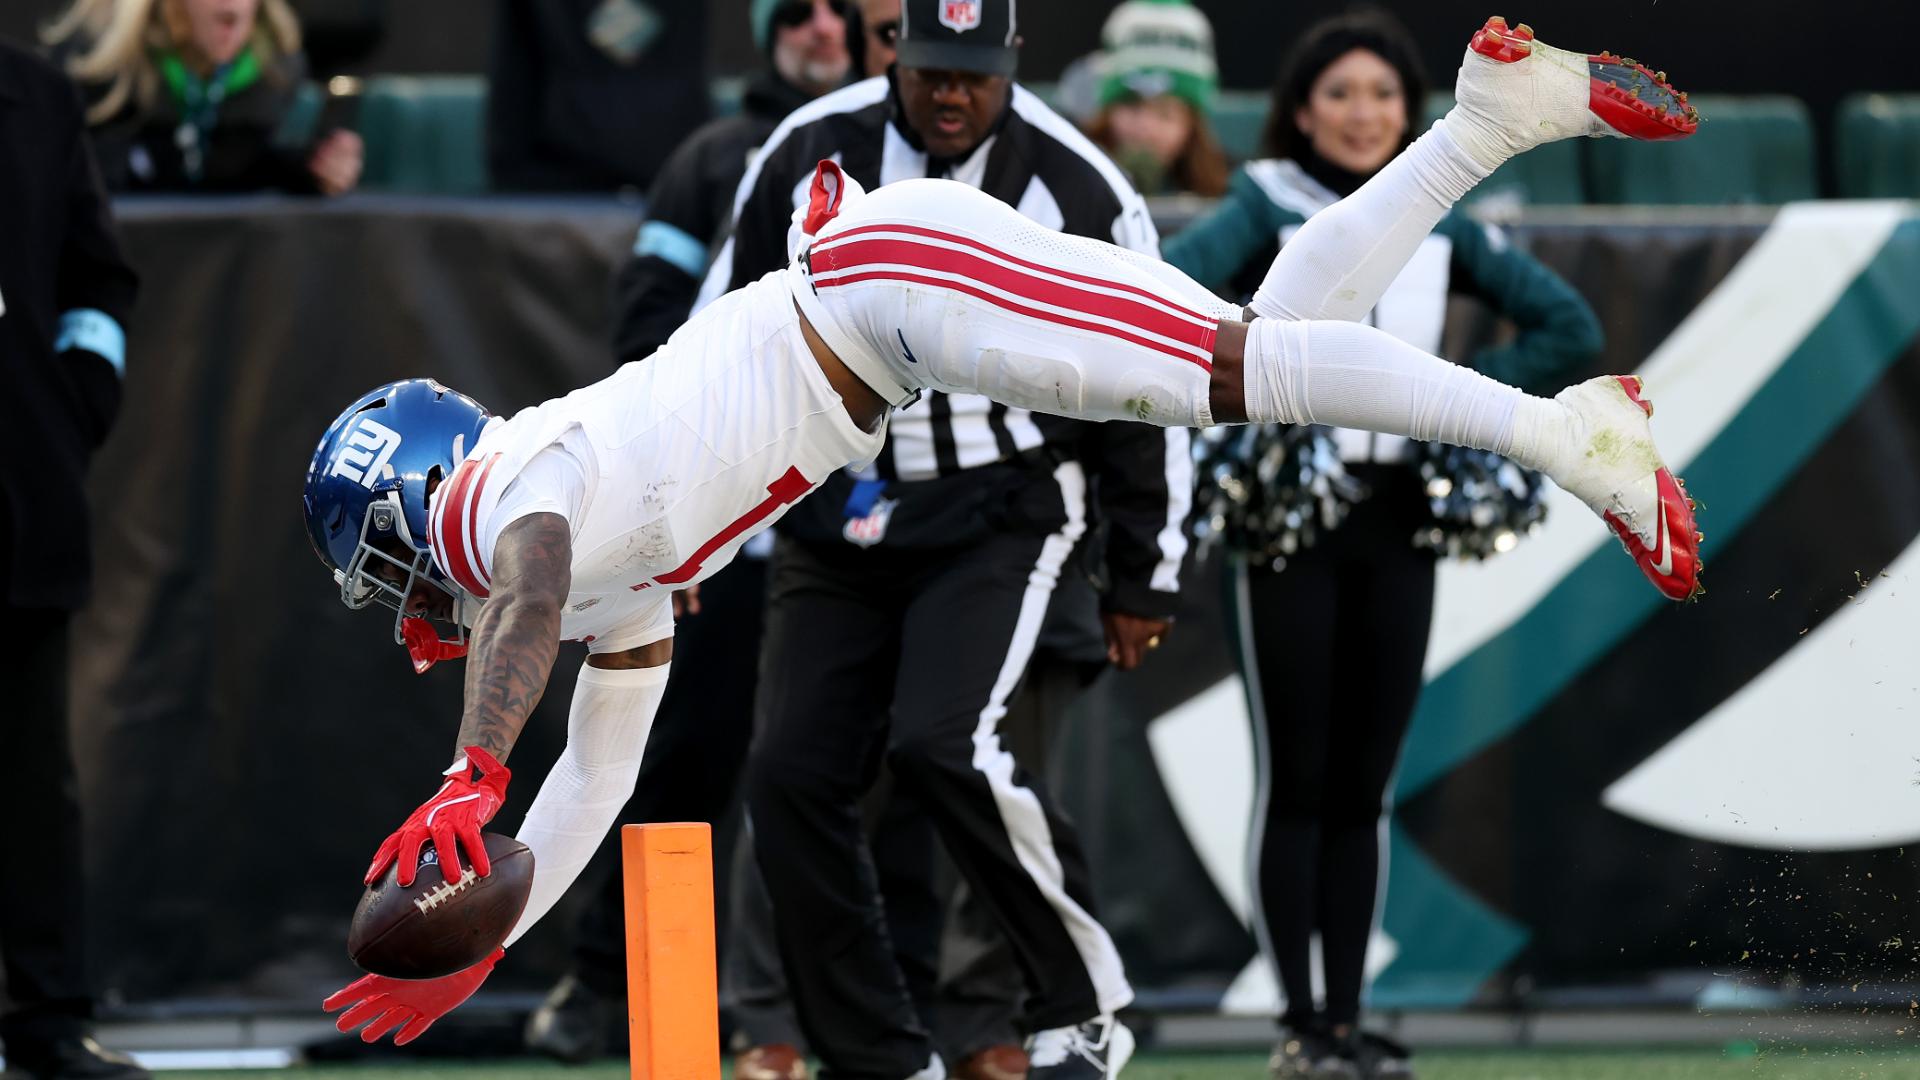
(663,470)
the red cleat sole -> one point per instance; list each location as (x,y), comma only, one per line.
(1637,102)
(1496,41)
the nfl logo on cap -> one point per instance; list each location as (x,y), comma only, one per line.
(959,35)
(961,15)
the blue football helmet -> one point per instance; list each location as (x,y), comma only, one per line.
(366,501)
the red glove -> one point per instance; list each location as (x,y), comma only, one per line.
(417,1003)
(454,814)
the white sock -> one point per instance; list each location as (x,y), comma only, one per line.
(581,797)
(1488,144)
(1345,256)
(1356,376)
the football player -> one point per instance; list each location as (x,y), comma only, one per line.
(577,518)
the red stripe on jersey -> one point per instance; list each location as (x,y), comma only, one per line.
(455,519)
(827,245)
(1035,313)
(791,486)
(449,548)
(1136,314)
(473,531)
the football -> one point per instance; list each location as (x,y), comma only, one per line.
(435,927)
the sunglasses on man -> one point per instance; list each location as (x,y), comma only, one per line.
(794,13)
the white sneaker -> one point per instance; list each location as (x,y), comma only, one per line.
(1515,93)
(1612,465)
(1095,1050)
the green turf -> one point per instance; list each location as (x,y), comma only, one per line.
(1812,1063)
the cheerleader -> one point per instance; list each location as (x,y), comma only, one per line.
(1342,631)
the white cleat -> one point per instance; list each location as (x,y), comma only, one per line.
(1617,471)
(1515,93)
(1095,1050)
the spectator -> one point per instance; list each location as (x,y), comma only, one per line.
(193,95)
(1344,627)
(873,35)
(691,204)
(593,95)
(65,291)
(1157,86)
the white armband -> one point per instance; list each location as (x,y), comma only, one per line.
(606,734)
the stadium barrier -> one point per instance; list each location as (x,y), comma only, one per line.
(1603,798)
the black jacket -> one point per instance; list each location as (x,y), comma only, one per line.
(687,214)
(140,150)
(563,114)
(65,291)
(1036,161)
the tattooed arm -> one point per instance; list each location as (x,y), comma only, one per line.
(517,636)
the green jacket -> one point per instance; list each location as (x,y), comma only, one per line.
(1228,250)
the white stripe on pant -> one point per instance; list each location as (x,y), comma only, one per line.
(1020,809)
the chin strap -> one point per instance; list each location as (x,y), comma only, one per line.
(426,647)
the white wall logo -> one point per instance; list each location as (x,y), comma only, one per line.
(962,15)
(364,455)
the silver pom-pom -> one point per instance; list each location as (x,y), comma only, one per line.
(1483,504)
(1269,490)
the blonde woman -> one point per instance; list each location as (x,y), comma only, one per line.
(189,95)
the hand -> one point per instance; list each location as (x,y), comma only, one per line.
(1130,637)
(415,1003)
(336,162)
(686,602)
(451,819)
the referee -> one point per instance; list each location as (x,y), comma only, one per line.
(905,602)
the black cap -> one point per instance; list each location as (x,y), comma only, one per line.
(959,35)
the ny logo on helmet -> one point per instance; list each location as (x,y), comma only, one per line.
(364,453)
(962,15)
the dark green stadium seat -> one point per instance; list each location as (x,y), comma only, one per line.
(1545,176)
(1878,148)
(1239,119)
(425,134)
(1749,149)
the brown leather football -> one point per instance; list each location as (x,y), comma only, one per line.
(432,928)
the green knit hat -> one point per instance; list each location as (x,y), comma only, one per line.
(1152,47)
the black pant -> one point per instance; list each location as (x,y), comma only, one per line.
(1334,664)
(753,982)
(694,752)
(910,657)
(960,971)
(42,922)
